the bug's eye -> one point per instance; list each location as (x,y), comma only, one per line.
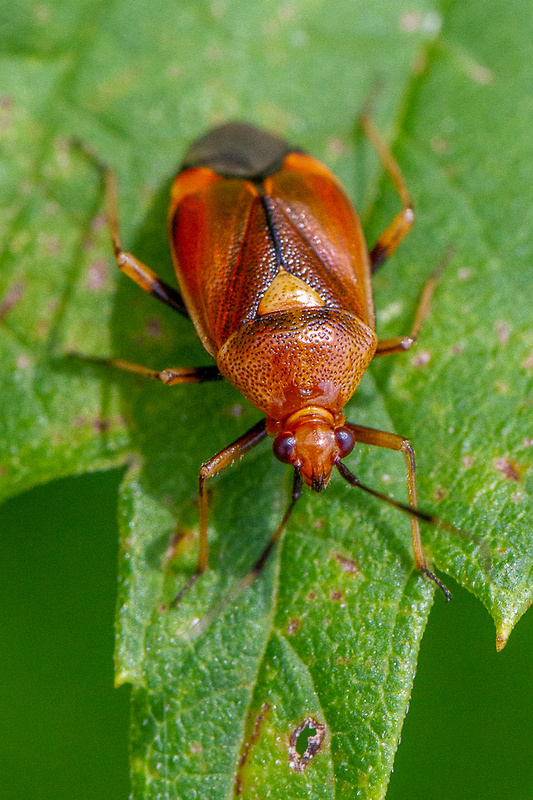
(283,447)
(345,440)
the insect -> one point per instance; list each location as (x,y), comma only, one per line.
(275,274)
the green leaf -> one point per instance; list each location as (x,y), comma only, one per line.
(331,630)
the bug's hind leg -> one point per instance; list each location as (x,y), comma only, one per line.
(403,221)
(126,262)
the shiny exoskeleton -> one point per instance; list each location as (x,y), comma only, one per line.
(274,271)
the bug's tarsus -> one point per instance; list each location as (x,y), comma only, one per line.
(403,221)
(183,591)
(444,589)
(387,347)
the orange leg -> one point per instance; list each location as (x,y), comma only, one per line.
(127,263)
(392,441)
(403,221)
(170,377)
(245,582)
(208,470)
(401,343)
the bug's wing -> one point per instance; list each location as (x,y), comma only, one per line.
(310,200)
(224,256)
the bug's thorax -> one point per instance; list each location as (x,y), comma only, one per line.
(313,440)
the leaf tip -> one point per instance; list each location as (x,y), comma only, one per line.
(503,631)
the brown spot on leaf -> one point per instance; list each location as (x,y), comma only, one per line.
(101,425)
(510,469)
(336,595)
(502,332)
(6,106)
(100,221)
(11,299)
(153,328)
(347,564)
(305,742)
(422,358)
(478,73)
(53,245)
(293,626)
(439,144)
(528,362)
(501,387)
(254,736)
(410,21)
(96,275)
(336,148)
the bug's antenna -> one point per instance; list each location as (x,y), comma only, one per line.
(430,519)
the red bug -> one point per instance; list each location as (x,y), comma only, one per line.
(275,273)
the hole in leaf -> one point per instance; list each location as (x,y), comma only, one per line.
(305,742)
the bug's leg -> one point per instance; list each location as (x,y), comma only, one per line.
(392,441)
(127,263)
(403,221)
(208,470)
(244,583)
(399,344)
(171,376)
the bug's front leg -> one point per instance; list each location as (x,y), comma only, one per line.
(391,441)
(208,470)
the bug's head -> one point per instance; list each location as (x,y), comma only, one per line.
(313,446)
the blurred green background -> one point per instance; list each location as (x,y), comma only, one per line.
(467,735)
